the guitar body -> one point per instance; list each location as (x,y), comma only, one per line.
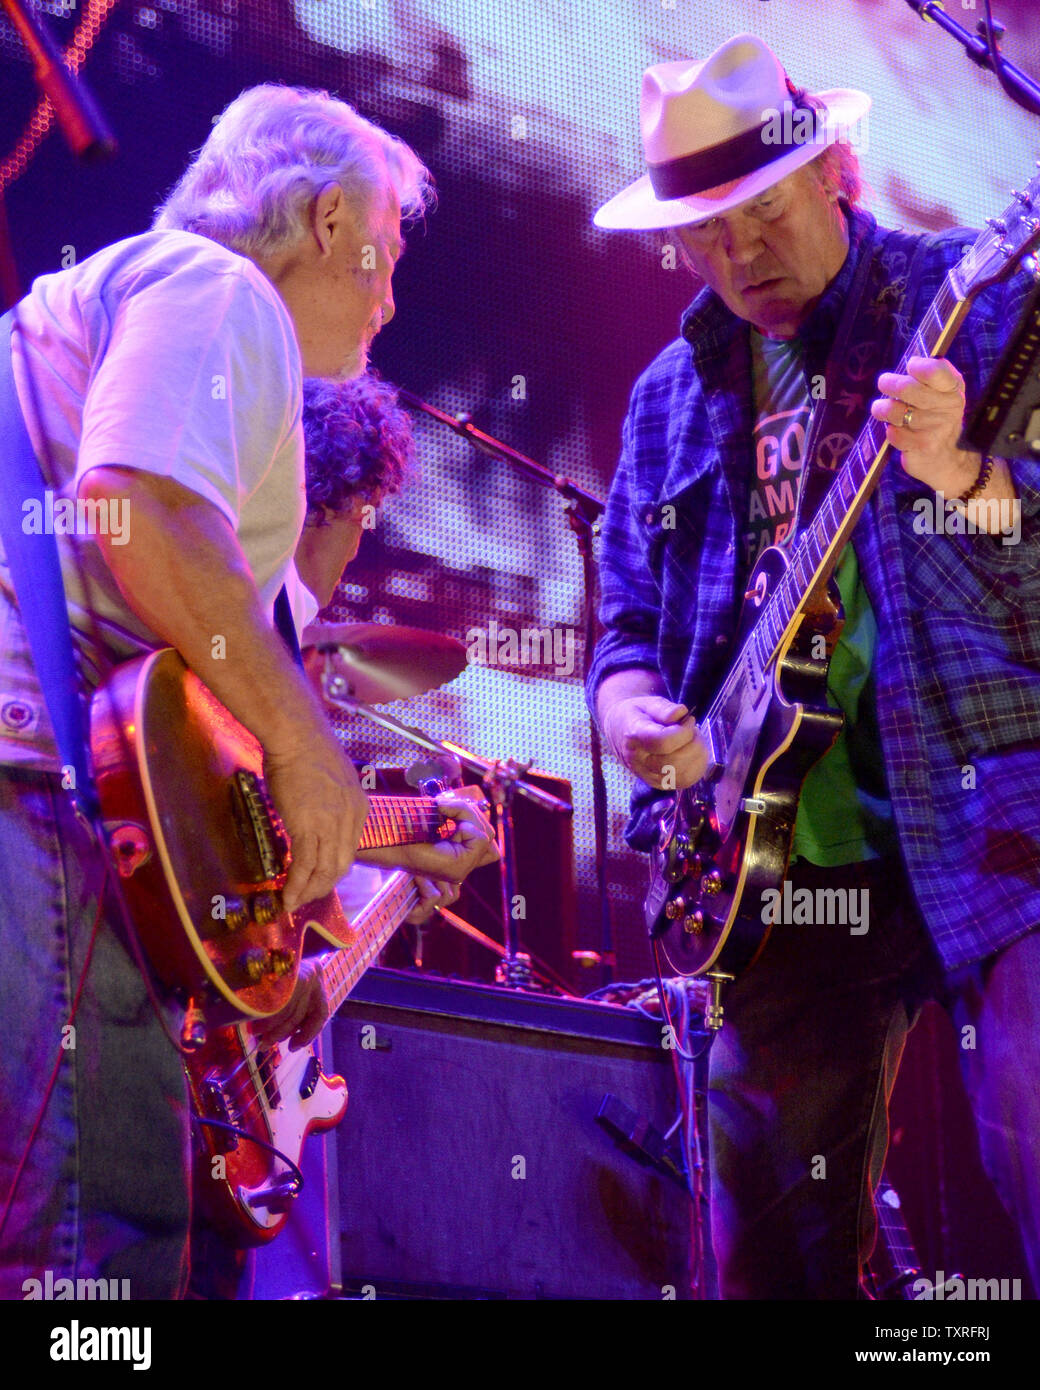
(727,840)
(274,1095)
(201,849)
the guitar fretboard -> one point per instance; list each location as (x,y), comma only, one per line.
(896,1237)
(401,820)
(375,924)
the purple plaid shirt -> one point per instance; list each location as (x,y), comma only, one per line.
(957,667)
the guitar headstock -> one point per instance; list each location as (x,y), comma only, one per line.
(1000,249)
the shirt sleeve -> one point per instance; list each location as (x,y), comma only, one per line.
(1014,560)
(200,381)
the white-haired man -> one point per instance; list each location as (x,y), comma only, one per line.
(162,376)
(804,300)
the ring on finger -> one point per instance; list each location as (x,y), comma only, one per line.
(908,415)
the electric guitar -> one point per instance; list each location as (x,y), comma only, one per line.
(725,841)
(275,1096)
(200,847)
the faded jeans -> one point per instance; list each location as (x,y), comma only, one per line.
(105,1192)
(802,1071)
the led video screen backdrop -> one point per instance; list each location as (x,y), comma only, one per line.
(510,306)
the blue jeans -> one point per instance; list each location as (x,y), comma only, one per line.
(105,1192)
(802,1072)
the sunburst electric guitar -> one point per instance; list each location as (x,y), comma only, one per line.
(243,1092)
(201,850)
(726,840)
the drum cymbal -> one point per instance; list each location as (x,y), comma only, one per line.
(383,663)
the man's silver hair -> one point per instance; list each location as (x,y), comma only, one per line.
(268,156)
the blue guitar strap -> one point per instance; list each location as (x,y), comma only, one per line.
(35,570)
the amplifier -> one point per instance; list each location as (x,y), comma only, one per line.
(471,1161)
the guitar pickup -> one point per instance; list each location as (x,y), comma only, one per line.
(216,1106)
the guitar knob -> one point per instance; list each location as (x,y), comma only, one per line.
(267,907)
(693,923)
(711,883)
(280,961)
(694,865)
(675,909)
(254,963)
(236,914)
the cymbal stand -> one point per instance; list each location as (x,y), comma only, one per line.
(502,779)
(582,510)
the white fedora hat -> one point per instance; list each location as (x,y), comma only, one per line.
(718,132)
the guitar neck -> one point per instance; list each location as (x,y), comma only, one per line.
(375,924)
(815,555)
(895,1236)
(402,820)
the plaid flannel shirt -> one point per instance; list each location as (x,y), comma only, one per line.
(957,666)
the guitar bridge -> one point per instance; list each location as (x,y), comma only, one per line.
(266,835)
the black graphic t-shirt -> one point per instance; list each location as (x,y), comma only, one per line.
(782,409)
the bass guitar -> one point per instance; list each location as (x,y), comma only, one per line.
(201,849)
(727,840)
(254,1105)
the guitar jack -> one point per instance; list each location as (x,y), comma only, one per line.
(713,1011)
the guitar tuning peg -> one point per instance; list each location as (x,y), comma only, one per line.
(1023,198)
(995,224)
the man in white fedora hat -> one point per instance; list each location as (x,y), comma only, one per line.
(920,820)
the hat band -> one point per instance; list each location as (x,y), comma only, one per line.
(732,159)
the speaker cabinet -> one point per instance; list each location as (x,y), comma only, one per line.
(471,1162)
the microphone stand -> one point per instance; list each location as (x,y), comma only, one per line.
(983,51)
(582,511)
(81,121)
(79,116)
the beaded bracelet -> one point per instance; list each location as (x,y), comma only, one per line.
(979,485)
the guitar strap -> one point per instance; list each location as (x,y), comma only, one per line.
(35,570)
(871,322)
(283,621)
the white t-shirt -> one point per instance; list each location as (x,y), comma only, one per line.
(168,353)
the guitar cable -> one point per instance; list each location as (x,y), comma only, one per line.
(692,1148)
(297,1177)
